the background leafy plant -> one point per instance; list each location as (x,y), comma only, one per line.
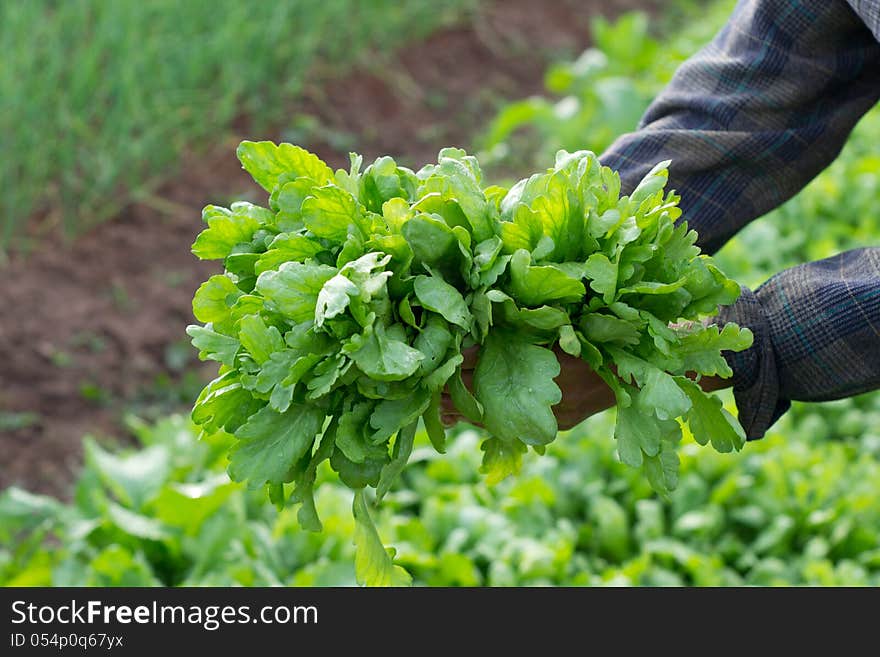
(114,93)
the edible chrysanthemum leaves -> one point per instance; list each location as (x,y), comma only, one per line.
(346,305)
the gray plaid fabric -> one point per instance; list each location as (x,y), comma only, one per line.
(747,122)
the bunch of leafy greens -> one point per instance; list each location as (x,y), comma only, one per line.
(345,306)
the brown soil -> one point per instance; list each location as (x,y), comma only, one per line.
(93,328)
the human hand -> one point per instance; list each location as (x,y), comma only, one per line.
(584,393)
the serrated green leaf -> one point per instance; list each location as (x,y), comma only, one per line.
(270,443)
(513,381)
(501,458)
(710,421)
(225,231)
(294,288)
(266,162)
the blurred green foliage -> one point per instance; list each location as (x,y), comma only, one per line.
(799,507)
(603,92)
(98,98)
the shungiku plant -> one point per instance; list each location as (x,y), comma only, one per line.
(345,305)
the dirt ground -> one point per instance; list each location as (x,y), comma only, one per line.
(94,329)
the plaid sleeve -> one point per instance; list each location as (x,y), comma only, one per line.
(817,337)
(747,122)
(756,114)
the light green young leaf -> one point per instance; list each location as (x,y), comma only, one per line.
(259,340)
(294,288)
(710,421)
(266,161)
(602,274)
(214,298)
(287,248)
(373,564)
(330,211)
(501,458)
(225,230)
(536,286)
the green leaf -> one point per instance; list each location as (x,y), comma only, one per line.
(604,328)
(287,248)
(214,298)
(536,286)
(635,432)
(334,298)
(266,162)
(463,400)
(439,377)
(568,341)
(259,340)
(305,482)
(392,415)
(602,274)
(403,446)
(709,421)
(662,395)
(700,351)
(325,376)
(358,475)
(524,231)
(294,288)
(545,318)
(662,469)
(224,404)
(330,211)
(225,231)
(501,458)
(433,426)
(514,383)
(270,443)
(439,296)
(134,478)
(386,359)
(351,434)
(213,345)
(373,564)
(433,342)
(432,242)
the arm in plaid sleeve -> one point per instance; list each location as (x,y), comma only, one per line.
(756,114)
(817,337)
(747,122)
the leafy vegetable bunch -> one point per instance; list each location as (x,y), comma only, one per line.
(345,306)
